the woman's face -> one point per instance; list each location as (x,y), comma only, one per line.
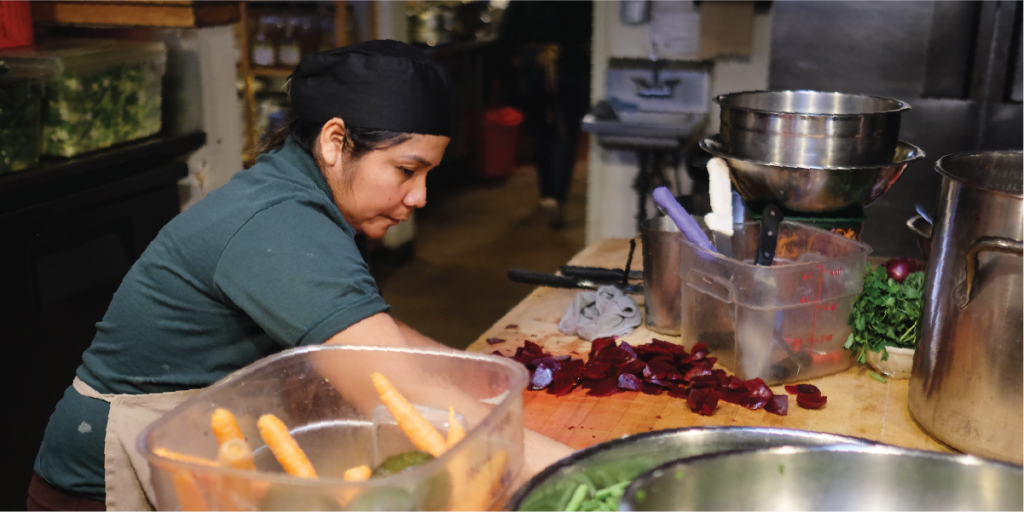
(384,186)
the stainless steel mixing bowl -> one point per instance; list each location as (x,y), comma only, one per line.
(623,459)
(810,128)
(811,189)
(839,477)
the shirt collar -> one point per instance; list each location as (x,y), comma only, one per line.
(305,163)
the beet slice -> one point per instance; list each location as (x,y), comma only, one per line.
(734,396)
(676,350)
(635,367)
(606,387)
(628,349)
(649,352)
(572,368)
(651,389)
(779,404)
(703,401)
(596,371)
(598,345)
(562,384)
(541,378)
(630,382)
(808,401)
(614,356)
(697,371)
(679,392)
(494,341)
(803,389)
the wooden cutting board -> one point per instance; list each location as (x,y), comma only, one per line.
(857,405)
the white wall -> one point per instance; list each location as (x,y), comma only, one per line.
(611,200)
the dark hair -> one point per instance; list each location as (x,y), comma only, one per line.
(358,140)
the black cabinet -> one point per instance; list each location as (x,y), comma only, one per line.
(69,232)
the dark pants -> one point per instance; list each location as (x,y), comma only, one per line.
(44,496)
(552,118)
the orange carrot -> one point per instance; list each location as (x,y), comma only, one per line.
(236,454)
(455,431)
(283,446)
(189,495)
(181,457)
(358,473)
(224,426)
(422,434)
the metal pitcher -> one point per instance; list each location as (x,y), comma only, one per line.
(660,238)
(965,387)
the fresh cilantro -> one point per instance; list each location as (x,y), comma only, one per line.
(886,313)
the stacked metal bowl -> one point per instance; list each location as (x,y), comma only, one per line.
(811,151)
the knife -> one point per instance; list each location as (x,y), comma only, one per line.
(557,281)
(599,274)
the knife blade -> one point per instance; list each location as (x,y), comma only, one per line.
(598,274)
(557,281)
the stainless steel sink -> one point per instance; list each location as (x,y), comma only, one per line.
(651,125)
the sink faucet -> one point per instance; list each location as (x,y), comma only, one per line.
(655,88)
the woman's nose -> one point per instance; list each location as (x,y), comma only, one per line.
(417,197)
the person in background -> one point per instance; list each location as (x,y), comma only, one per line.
(553,44)
(266,263)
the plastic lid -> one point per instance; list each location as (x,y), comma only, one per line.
(55,55)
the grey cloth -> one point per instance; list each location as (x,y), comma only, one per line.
(600,314)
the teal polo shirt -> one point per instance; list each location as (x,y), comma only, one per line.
(262,264)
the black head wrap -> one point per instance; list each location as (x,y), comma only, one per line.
(384,85)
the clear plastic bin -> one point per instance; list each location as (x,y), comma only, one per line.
(97,92)
(326,397)
(782,323)
(21,94)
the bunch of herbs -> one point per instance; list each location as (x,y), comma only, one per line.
(886,314)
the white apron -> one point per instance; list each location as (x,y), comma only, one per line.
(126,471)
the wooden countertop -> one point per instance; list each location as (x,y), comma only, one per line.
(857,404)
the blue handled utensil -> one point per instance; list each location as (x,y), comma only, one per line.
(667,203)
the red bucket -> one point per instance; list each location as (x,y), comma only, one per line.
(15,23)
(499,142)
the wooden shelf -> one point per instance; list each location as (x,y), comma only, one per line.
(166,13)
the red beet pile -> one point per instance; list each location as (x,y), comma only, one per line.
(654,368)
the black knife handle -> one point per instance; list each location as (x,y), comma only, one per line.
(599,274)
(768,239)
(541,279)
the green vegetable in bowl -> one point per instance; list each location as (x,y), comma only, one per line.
(886,313)
(19,124)
(86,111)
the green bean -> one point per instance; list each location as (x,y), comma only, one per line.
(577,498)
(877,377)
(614,490)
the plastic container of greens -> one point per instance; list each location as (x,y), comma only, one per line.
(98,93)
(326,397)
(21,93)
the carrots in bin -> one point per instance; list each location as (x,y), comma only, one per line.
(455,431)
(281,443)
(358,473)
(236,454)
(190,497)
(224,426)
(422,434)
(181,457)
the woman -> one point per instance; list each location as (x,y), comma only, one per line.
(267,262)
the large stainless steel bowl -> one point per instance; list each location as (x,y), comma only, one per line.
(623,459)
(811,189)
(810,128)
(840,477)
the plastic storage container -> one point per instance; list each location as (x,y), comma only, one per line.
(781,323)
(97,93)
(326,398)
(21,93)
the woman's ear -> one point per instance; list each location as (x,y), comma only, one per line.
(331,142)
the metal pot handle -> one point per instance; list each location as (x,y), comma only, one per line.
(982,244)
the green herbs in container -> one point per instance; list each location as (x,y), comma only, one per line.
(887,313)
(21,94)
(98,93)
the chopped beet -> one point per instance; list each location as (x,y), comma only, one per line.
(511,326)
(572,369)
(628,348)
(552,363)
(651,389)
(805,389)
(704,381)
(494,341)
(609,386)
(634,367)
(648,352)
(735,396)
(630,382)
(614,356)
(657,368)
(561,384)
(703,401)
(596,371)
(734,383)
(696,371)
(541,378)
(679,392)
(675,349)
(811,401)
(598,345)
(779,404)
(497,353)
